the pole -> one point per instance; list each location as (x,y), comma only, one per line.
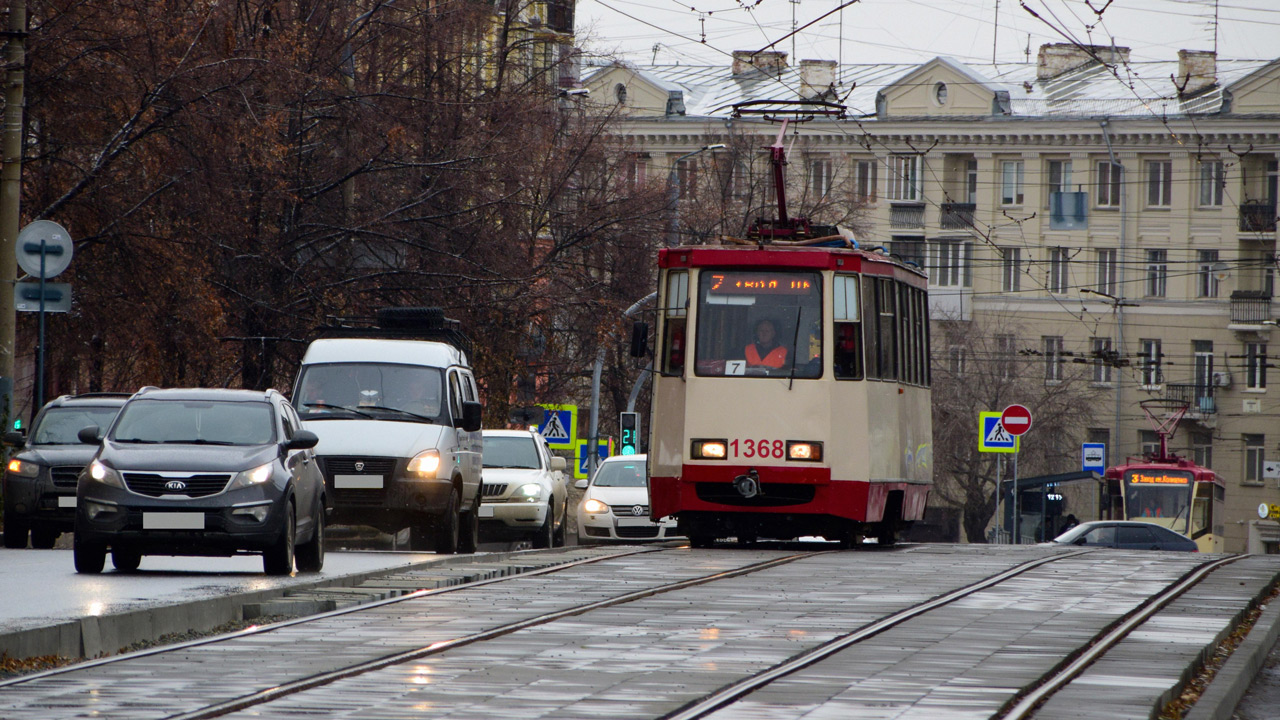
(11,178)
(40,340)
(593,452)
(999,490)
(1017,504)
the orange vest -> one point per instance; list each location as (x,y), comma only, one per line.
(775,359)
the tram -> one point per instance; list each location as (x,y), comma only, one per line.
(1171,491)
(791,387)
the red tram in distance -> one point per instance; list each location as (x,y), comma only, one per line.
(791,393)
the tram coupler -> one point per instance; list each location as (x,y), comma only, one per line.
(748,484)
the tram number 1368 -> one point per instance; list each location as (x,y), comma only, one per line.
(758,448)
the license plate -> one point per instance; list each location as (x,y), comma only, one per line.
(634,522)
(173,521)
(357,482)
(486,511)
(67,501)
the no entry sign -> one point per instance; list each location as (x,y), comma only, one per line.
(1016,420)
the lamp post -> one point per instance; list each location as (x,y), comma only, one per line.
(673,192)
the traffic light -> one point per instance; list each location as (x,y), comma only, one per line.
(629,422)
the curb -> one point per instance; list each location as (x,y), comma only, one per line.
(1219,700)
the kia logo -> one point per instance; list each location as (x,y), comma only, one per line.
(637,510)
(175,485)
(359,466)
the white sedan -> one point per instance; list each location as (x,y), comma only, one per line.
(525,493)
(615,506)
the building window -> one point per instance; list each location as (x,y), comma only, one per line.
(1148,442)
(904,177)
(1011,182)
(864,173)
(1159,180)
(1212,180)
(1053,360)
(1059,176)
(909,250)
(820,174)
(1202,449)
(1255,366)
(1102,360)
(1059,270)
(1106,276)
(686,176)
(1150,358)
(1011,267)
(1157,272)
(951,263)
(1109,184)
(1006,355)
(971,182)
(635,167)
(956,359)
(1206,282)
(1255,454)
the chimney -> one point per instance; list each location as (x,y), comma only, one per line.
(1059,58)
(748,61)
(1197,71)
(817,78)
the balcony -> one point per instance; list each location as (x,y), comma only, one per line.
(1199,398)
(957,215)
(1250,307)
(1257,217)
(906,215)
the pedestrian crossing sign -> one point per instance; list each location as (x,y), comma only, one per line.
(559,426)
(992,435)
(604,448)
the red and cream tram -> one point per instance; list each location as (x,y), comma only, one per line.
(791,393)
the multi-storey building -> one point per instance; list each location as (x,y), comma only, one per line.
(1125,211)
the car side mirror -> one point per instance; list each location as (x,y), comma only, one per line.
(91,435)
(471,412)
(581,484)
(302,440)
(14,438)
(639,338)
(558,464)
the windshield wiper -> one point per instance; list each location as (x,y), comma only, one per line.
(138,441)
(398,410)
(327,406)
(198,441)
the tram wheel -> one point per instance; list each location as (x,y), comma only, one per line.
(702,541)
(887,534)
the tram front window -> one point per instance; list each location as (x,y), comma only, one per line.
(759,323)
(1157,494)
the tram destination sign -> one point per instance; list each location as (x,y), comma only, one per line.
(1146,477)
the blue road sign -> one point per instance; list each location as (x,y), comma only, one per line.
(580,452)
(992,437)
(559,426)
(1093,456)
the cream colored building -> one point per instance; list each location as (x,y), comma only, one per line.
(1125,211)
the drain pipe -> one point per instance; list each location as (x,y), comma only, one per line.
(1121,286)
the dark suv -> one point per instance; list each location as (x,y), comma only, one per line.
(40,480)
(201,472)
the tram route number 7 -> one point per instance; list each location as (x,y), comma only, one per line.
(758,448)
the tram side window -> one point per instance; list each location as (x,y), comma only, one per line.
(886,312)
(848,328)
(675,320)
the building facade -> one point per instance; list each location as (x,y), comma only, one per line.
(1124,212)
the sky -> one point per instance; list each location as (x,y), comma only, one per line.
(701,32)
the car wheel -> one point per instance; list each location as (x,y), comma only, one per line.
(557,538)
(15,532)
(89,557)
(43,538)
(125,560)
(447,527)
(469,535)
(278,559)
(543,536)
(310,556)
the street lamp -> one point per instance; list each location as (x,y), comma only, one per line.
(673,191)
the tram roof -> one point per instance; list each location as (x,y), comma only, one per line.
(778,256)
(1199,473)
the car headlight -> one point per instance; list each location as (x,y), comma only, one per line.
(23,469)
(424,464)
(529,492)
(255,476)
(98,472)
(594,506)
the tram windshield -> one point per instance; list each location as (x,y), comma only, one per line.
(1156,495)
(759,323)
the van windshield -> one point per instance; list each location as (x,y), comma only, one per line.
(382,391)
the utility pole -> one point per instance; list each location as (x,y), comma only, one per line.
(11,188)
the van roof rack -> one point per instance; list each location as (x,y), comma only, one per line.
(400,323)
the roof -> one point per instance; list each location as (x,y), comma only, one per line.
(377,350)
(205,394)
(89,400)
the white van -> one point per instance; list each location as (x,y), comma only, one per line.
(398,416)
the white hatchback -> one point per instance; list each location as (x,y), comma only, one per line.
(525,495)
(615,506)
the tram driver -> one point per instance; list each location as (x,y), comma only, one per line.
(765,351)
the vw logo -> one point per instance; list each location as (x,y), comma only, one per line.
(359,466)
(175,485)
(637,510)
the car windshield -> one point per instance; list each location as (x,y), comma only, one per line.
(191,422)
(385,391)
(1073,534)
(618,474)
(510,452)
(60,425)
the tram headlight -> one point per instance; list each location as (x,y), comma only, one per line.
(709,450)
(805,450)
